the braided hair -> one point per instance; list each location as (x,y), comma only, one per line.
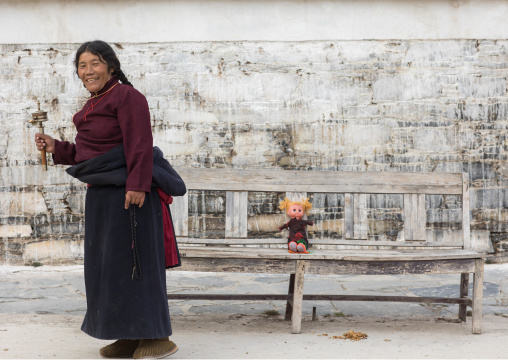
(106,54)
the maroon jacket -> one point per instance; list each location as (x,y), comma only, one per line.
(119,116)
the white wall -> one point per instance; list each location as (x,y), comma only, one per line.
(28,21)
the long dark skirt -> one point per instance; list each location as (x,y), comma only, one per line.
(120,305)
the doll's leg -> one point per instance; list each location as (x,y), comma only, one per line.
(293,247)
(301,248)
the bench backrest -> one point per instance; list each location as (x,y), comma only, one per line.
(354,185)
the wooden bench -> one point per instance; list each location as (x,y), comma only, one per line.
(353,252)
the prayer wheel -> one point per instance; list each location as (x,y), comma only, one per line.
(38,119)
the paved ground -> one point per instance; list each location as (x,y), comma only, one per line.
(41,310)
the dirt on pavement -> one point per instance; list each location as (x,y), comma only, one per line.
(215,336)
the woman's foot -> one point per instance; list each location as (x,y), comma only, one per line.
(123,348)
(155,349)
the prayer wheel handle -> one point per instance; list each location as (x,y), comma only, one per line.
(37,120)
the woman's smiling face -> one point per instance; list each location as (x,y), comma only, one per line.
(93,72)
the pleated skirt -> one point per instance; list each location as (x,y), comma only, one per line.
(125,275)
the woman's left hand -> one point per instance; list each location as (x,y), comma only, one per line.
(134,197)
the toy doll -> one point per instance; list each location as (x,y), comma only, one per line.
(297,240)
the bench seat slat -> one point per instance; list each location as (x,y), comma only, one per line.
(327,267)
(347,255)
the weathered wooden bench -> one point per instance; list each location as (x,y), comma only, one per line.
(352,252)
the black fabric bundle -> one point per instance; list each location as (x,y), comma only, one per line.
(111,169)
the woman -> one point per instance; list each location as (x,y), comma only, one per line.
(124,225)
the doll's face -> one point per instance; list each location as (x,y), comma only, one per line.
(295,211)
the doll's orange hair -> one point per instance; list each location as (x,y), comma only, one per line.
(286,203)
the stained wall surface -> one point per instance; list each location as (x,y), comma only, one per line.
(386,103)
(72,21)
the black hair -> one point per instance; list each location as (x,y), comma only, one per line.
(106,54)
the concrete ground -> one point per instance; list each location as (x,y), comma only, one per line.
(41,310)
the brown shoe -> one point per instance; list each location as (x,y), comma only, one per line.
(123,348)
(155,349)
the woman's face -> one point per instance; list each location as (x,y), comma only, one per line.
(93,72)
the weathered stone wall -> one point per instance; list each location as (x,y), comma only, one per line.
(408,105)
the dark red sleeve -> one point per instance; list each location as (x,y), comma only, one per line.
(134,120)
(65,153)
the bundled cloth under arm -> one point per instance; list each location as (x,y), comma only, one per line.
(111,169)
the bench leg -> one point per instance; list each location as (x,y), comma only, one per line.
(478,297)
(464,286)
(296,324)
(289,306)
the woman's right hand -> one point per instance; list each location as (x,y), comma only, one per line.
(44,141)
